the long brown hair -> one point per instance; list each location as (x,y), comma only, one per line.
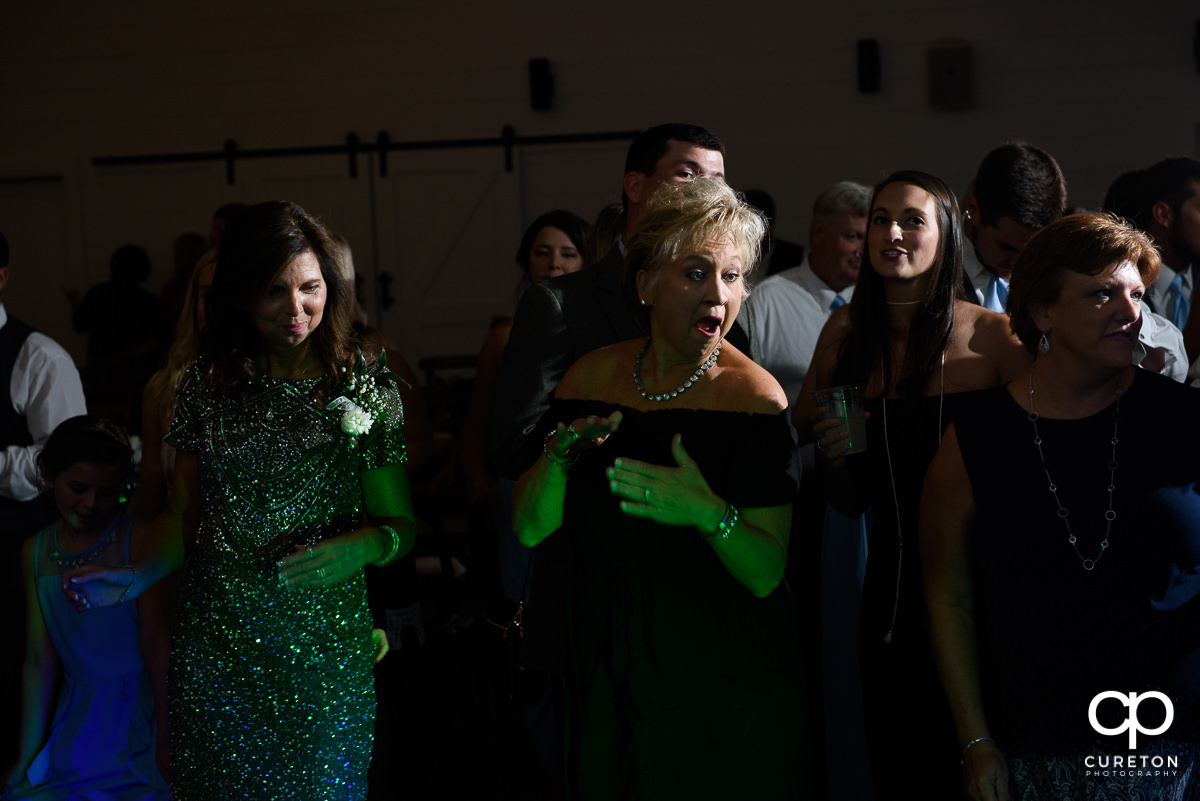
(260,241)
(867,344)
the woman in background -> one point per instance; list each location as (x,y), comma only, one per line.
(1081,455)
(915,348)
(553,245)
(158,398)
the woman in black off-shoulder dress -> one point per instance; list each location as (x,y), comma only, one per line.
(670,465)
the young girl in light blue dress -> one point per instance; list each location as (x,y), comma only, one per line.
(89,727)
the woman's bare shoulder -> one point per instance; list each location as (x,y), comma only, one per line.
(750,388)
(989,334)
(592,375)
(984,329)
(838,324)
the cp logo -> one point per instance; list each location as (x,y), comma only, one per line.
(1131,723)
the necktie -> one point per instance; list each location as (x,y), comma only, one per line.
(838,300)
(1182,306)
(996,297)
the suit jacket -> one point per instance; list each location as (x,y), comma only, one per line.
(557,321)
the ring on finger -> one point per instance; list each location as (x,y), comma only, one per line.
(571,430)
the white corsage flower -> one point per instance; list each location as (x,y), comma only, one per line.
(356,421)
(364,400)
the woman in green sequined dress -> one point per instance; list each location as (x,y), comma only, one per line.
(289,481)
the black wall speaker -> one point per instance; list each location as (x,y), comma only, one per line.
(868,66)
(541,84)
(950,75)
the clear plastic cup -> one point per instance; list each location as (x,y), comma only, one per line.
(846,405)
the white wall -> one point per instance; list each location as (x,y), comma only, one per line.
(1104,86)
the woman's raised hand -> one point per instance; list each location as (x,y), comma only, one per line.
(673,496)
(582,435)
(95,586)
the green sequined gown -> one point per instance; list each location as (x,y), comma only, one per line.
(271,691)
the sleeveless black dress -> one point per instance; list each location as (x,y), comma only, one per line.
(910,731)
(1051,634)
(683,683)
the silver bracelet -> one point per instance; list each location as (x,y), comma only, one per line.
(387,560)
(558,461)
(125,594)
(725,526)
(963,759)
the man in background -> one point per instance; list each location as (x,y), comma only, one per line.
(43,389)
(790,309)
(1170,213)
(1018,190)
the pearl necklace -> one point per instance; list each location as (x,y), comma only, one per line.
(1110,515)
(666,396)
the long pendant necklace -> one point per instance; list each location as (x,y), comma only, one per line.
(887,447)
(1110,515)
(666,396)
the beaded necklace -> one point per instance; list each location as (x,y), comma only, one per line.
(666,396)
(87,555)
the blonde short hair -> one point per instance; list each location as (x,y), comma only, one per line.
(682,219)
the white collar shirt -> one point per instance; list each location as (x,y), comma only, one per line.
(1158,294)
(790,309)
(45,390)
(979,276)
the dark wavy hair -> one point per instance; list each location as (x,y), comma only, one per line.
(575,227)
(87,438)
(259,243)
(867,344)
